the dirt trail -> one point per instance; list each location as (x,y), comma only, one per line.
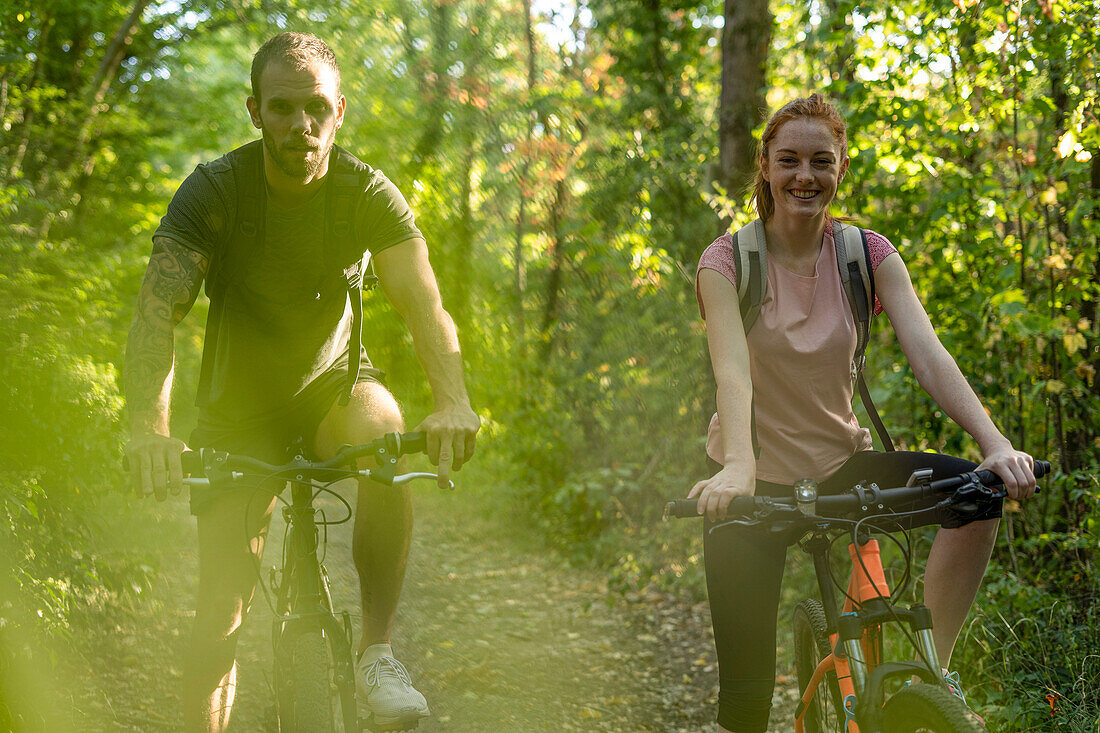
(500,635)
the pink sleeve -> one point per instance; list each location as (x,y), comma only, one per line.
(718,257)
(880,248)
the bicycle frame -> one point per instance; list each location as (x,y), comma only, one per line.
(855,634)
(854,630)
(304,603)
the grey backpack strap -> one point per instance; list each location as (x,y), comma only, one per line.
(854,263)
(751,254)
(751,251)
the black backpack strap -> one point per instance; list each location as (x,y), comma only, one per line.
(347,183)
(872,412)
(857,276)
(242,238)
(354,276)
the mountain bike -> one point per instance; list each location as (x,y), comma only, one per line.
(314,666)
(839,653)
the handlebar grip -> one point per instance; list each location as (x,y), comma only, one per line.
(192,462)
(414,443)
(739,506)
(682,508)
(988,478)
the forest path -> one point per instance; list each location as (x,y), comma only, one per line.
(499,633)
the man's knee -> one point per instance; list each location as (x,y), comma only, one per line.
(371,413)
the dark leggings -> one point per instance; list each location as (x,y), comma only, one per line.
(744,573)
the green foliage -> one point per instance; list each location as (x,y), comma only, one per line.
(565,191)
(1036,649)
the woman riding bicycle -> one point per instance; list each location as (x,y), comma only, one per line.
(791,379)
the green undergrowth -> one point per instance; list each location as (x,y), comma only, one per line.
(1028,655)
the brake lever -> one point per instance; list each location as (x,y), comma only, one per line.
(405,478)
(402,478)
(737,522)
(759,515)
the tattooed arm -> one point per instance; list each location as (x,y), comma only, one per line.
(172,283)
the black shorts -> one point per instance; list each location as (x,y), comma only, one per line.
(890,470)
(271,440)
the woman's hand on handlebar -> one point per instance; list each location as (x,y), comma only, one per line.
(155,465)
(716,492)
(1016,469)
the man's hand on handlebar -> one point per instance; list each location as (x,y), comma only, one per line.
(1016,469)
(155,465)
(716,492)
(452,437)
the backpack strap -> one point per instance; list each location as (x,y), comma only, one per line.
(347,183)
(241,239)
(853,257)
(751,254)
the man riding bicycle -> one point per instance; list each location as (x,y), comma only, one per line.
(280,231)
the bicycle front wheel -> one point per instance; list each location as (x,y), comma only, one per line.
(825,713)
(308,697)
(928,709)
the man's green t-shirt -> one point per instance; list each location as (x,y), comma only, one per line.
(286,319)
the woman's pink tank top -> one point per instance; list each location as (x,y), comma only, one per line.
(800,356)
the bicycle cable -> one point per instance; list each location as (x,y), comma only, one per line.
(259,486)
(889,602)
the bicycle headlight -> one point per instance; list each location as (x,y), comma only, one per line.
(805,496)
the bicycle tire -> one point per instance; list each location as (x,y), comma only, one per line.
(308,698)
(825,713)
(928,709)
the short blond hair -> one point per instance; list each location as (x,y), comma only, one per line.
(300,50)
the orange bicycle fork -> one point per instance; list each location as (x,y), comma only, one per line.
(855,634)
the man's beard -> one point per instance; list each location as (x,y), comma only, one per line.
(292,164)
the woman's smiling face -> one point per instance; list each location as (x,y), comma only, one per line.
(803,168)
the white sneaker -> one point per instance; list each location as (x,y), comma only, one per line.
(385,693)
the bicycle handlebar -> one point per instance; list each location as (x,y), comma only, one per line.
(221,466)
(853,501)
(398,480)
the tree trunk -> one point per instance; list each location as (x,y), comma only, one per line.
(27,114)
(745,41)
(435,90)
(3,97)
(471,122)
(104,76)
(557,264)
(841,59)
(523,185)
(657,32)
